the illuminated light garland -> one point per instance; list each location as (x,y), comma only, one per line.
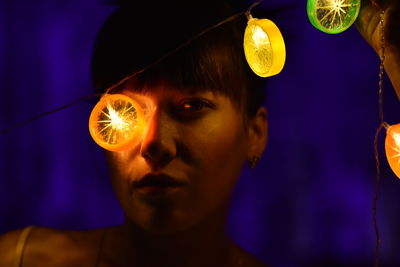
(264,47)
(333,16)
(116,122)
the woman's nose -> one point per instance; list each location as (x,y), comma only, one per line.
(158,146)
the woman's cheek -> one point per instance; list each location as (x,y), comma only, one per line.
(219,146)
(224,134)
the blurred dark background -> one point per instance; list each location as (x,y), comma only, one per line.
(307,203)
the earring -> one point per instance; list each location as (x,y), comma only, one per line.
(253,162)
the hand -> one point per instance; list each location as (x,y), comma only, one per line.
(368,24)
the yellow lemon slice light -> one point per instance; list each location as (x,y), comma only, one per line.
(264,47)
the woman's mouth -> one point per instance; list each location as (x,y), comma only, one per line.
(157,184)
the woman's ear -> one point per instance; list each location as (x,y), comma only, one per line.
(257,133)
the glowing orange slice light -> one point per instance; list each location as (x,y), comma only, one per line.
(116,122)
(392,148)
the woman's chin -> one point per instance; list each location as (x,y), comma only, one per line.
(162,221)
(164,227)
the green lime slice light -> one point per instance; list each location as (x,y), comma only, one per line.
(332,16)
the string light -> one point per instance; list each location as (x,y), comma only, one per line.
(392,148)
(110,127)
(376,151)
(333,16)
(116,122)
(264,47)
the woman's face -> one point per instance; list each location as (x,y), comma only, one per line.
(185,166)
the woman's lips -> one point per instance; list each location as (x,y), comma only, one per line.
(157,184)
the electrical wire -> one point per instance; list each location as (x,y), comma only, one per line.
(44,114)
(162,58)
(382,124)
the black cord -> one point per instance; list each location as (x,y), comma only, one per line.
(382,124)
(376,195)
(175,50)
(36,117)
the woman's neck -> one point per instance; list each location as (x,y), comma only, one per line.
(205,244)
(199,245)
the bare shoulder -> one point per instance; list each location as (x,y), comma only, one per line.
(56,247)
(8,245)
(248,260)
(252,261)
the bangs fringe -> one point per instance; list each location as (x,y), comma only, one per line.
(213,62)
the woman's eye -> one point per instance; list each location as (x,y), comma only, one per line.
(193,108)
(193,105)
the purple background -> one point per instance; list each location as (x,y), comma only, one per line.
(309,201)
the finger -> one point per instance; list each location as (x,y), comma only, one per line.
(384,4)
(393,24)
(375,4)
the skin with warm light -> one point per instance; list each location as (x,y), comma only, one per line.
(199,143)
(176,183)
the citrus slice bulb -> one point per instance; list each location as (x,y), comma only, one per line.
(333,16)
(392,148)
(116,122)
(264,47)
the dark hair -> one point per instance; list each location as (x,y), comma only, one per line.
(137,35)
